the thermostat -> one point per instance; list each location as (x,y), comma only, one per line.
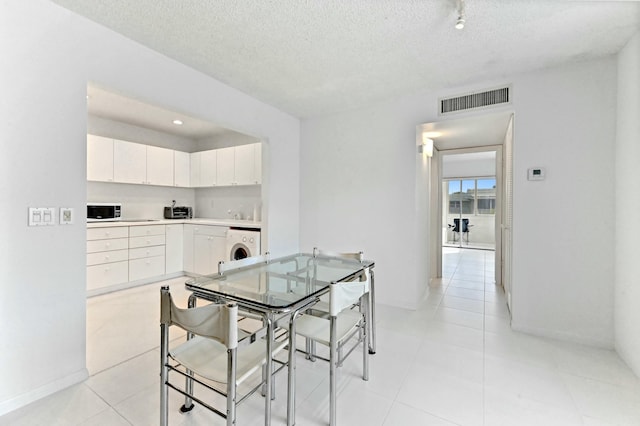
(536,173)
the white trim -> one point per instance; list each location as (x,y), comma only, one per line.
(43,391)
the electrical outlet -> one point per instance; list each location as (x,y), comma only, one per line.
(66,216)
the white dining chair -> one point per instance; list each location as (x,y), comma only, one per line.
(342,326)
(215,352)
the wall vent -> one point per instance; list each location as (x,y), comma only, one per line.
(475,100)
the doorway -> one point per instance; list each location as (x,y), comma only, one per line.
(469,199)
(469,204)
(486,134)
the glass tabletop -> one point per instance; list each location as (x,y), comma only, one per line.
(281,283)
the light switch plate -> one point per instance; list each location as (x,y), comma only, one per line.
(66,216)
(42,216)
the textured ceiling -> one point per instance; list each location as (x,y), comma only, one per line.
(317,57)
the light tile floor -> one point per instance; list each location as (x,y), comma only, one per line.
(453,361)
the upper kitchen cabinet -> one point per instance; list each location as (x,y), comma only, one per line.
(181,169)
(204,168)
(226,166)
(248,164)
(142,164)
(99,158)
(159,166)
(129,162)
(240,165)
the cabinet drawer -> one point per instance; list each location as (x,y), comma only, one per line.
(142,252)
(144,230)
(107,257)
(107,245)
(146,268)
(151,240)
(108,274)
(212,231)
(108,232)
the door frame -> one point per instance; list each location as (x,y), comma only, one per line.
(438,224)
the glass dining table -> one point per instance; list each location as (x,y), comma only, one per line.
(277,290)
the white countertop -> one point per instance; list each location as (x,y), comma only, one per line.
(198,221)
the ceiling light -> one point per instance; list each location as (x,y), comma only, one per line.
(461,15)
(177,122)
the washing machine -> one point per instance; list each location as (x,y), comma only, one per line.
(243,243)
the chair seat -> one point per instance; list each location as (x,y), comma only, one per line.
(317,328)
(209,358)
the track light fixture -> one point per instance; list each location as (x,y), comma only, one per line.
(461,15)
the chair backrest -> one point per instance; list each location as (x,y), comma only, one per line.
(345,294)
(247,261)
(457,225)
(214,321)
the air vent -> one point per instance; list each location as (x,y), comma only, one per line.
(475,100)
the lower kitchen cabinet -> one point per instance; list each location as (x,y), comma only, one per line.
(107,257)
(107,274)
(209,248)
(174,240)
(146,251)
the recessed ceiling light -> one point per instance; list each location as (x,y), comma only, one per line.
(177,122)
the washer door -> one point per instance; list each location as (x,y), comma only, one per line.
(239,251)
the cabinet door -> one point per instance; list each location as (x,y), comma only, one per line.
(129,162)
(226,166)
(208,251)
(202,259)
(159,166)
(208,168)
(257,163)
(244,165)
(188,247)
(174,248)
(99,158)
(181,169)
(194,172)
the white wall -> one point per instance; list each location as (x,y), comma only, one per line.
(627,283)
(358,187)
(50,54)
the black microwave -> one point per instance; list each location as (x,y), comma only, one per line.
(103,212)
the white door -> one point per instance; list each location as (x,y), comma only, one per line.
(226,166)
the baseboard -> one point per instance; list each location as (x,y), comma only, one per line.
(561,336)
(43,391)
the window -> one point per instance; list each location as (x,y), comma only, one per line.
(472,196)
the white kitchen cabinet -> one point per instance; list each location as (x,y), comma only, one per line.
(107,257)
(226,166)
(159,166)
(146,251)
(248,164)
(129,162)
(208,168)
(187,254)
(209,248)
(99,158)
(174,240)
(181,169)
(203,168)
